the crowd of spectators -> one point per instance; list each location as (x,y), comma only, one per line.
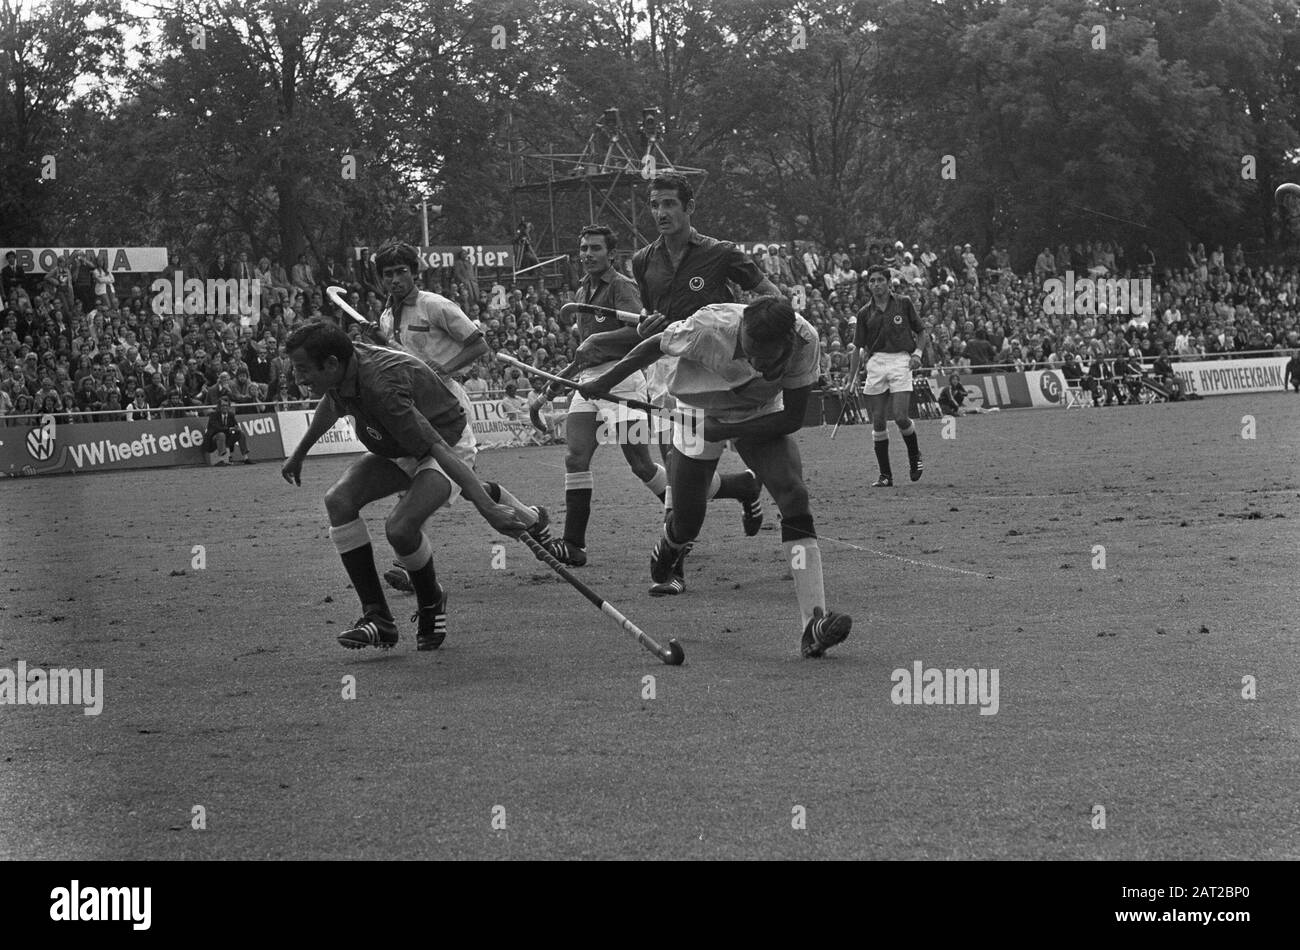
(82,343)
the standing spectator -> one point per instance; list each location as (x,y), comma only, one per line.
(812,264)
(12,276)
(220,269)
(466,274)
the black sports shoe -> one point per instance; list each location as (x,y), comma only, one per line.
(751,510)
(432,629)
(566,552)
(884,481)
(824,631)
(917,467)
(667,568)
(372,630)
(540,531)
(664,560)
(399,579)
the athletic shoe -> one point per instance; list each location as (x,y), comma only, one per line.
(667,568)
(884,481)
(674,585)
(751,511)
(917,467)
(247,460)
(665,562)
(566,552)
(432,629)
(824,631)
(372,630)
(399,579)
(540,531)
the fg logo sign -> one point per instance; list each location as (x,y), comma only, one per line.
(1049,384)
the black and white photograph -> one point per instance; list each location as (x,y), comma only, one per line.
(652,430)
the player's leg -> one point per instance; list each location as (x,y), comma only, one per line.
(241,440)
(779,465)
(689,480)
(367,479)
(878,407)
(899,410)
(430,490)
(580,438)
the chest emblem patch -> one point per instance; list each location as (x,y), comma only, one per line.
(696,284)
(898,318)
(370,430)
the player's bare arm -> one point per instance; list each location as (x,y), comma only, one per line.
(475,349)
(786,422)
(322,421)
(596,349)
(645,354)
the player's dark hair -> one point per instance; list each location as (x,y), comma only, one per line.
(397,254)
(320,341)
(677,183)
(768,320)
(880,269)
(610,239)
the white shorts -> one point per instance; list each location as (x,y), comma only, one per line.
(462,396)
(611,413)
(890,372)
(466,450)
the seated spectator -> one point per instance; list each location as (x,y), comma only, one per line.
(223,431)
(138,408)
(474,385)
(245,393)
(88,398)
(112,407)
(22,411)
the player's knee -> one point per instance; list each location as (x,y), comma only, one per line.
(402,531)
(791,498)
(578,460)
(339,505)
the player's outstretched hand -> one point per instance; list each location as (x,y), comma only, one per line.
(504,519)
(651,324)
(291,470)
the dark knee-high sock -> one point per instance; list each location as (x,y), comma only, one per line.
(352,541)
(578,487)
(738,485)
(909,436)
(881,441)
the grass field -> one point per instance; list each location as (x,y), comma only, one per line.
(1119,687)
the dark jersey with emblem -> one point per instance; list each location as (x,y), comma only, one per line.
(698,280)
(896,329)
(612,290)
(400,405)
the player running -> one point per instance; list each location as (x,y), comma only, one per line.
(602,286)
(677,274)
(893,337)
(748,370)
(420,443)
(436,331)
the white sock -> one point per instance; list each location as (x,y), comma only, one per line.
(658,482)
(805,560)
